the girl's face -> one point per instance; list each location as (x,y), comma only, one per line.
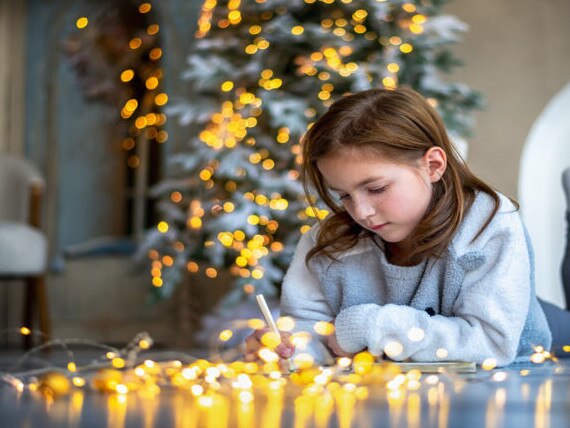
(385,197)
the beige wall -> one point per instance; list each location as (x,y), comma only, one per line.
(517,52)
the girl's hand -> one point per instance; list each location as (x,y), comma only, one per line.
(253,344)
(335,348)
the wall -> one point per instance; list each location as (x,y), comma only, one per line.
(12,48)
(516,53)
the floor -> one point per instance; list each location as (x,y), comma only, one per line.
(523,395)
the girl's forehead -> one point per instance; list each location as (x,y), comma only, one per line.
(358,154)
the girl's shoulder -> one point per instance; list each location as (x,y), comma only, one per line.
(506,221)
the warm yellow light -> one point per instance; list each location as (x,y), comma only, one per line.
(250,49)
(211,272)
(151,83)
(162,227)
(419,19)
(262,44)
(225,335)
(82,22)
(406,48)
(192,267)
(254,30)
(127,75)
(161,99)
(389,82)
(253,219)
(78,381)
(297,30)
(135,43)
(282,137)
(145,8)
(416,28)
(152,29)
(285,323)
(205,174)
(227,86)
(268,164)
(489,364)
(161,136)
(155,54)
(360,29)
(234,16)
(176,196)
(25,331)
(409,7)
(71,366)
(195,222)
(393,67)
(360,15)
(324,328)
(118,362)
(128,143)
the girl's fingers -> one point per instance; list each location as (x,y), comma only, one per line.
(253,344)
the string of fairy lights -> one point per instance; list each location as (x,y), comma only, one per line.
(238,116)
(142,112)
(223,384)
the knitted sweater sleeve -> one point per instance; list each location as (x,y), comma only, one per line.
(488,315)
(302,297)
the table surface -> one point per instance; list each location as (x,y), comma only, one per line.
(523,395)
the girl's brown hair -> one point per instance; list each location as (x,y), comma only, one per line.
(399,125)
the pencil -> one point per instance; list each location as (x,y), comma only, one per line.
(271,324)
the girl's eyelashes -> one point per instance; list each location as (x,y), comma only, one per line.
(343,197)
(378,189)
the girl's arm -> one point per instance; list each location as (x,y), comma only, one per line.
(302,297)
(489,313)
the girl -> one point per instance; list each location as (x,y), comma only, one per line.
(420,259)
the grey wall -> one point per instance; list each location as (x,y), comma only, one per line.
(76,142)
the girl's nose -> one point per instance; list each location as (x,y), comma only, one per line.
(363,209)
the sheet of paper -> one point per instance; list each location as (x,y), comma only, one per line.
(438,367)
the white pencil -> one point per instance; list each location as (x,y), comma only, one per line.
(271,324)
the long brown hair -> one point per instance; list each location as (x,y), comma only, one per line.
(400,125)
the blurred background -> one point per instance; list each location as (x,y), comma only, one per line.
(166,135)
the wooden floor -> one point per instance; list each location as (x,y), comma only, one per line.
(524,395)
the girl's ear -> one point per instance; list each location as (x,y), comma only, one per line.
(435,160)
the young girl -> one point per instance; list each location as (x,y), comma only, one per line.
(419,259)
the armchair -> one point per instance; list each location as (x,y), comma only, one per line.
(23,246)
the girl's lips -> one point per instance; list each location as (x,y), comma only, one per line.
(378,227)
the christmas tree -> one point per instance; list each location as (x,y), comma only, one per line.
(260,73)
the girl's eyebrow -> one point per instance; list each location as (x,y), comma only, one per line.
(360,184)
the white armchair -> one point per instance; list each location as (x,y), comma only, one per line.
(23,246)
(545,155)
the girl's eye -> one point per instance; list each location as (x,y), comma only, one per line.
(343,197)
(378,190)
